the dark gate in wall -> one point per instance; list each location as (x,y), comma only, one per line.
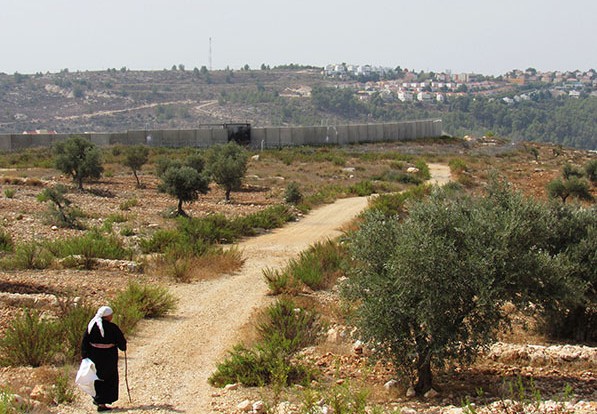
(239,133)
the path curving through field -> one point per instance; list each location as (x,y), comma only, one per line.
(170,359)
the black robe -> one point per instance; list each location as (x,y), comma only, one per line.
(105,359)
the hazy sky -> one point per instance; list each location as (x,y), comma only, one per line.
(489,37)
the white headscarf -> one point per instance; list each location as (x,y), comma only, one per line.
(97,319)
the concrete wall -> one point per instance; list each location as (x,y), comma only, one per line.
(268,137)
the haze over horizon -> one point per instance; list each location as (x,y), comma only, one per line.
(460,35)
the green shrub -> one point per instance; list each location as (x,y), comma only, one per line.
(29,340)
(127,232)
(423,170)
(286,329)
(6,242)
(141,301)
(457,166)
(318,266)
(91,246)
(159,241)
(401,177)
(71,325)
(293,194)
(362,188)
(117,218)
(62,390)
(289,326)
(30,255)
(277,281)
(9,192)
(128,204)
(394,204)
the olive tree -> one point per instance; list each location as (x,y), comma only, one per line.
(136,157)
(78,158)
(227,165)
(185,181)
(430,289)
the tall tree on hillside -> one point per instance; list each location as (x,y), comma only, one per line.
(78,158)
(183,181)
(429,289)
(227,165)
(136,157)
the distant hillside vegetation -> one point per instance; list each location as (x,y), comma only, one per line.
(117,100)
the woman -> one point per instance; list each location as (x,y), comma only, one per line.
(101,342)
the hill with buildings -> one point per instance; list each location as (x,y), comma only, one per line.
(555,107)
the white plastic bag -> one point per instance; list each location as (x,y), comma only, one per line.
(86,376)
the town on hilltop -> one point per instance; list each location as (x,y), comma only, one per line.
(408,85)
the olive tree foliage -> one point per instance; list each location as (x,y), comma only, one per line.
(185,181)
(78,158)
(227,165)
(572,184)
(136,157)
(430,289)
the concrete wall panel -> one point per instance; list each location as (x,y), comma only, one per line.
(203,138)
(219,136)
(21,141)
(354,136)
(137,137)
(5,142)
(99,139)
(272,136)
(364,133)
(342,134)
(187,137)
(258,140)
(285,137)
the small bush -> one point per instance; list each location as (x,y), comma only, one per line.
(72,323)
(91,246)
(293,193)
(423,170)
(127,232)
(62,390)
(30,255)
(295,326)
(141,301)
(285,330)
(128,204)
(361,189)
(277,281)
(394,204)
(318,266)
(9,192)
(117,218)
(29,340)
(6,242)
(457,166)
(160,240)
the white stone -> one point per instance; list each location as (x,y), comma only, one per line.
(231,387)
(357,347)
(412,170)
(258,407)
(431,393)
(390,384)
(255,157)
(245,406)
(410,392)
(408,411)
(54,228)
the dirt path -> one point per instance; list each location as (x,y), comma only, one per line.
(170,359)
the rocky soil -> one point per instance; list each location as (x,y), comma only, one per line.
(170,359)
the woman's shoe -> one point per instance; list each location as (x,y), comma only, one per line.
(102,407)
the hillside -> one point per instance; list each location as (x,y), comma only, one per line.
(119,100)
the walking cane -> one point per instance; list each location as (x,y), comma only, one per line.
(126,377)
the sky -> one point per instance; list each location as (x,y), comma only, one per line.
(473,36)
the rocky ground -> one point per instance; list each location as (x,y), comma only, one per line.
(559,372)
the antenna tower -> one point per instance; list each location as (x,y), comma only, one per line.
(210,54)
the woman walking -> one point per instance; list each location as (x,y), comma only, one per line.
(101,343)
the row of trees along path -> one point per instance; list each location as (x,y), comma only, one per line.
(170,359)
